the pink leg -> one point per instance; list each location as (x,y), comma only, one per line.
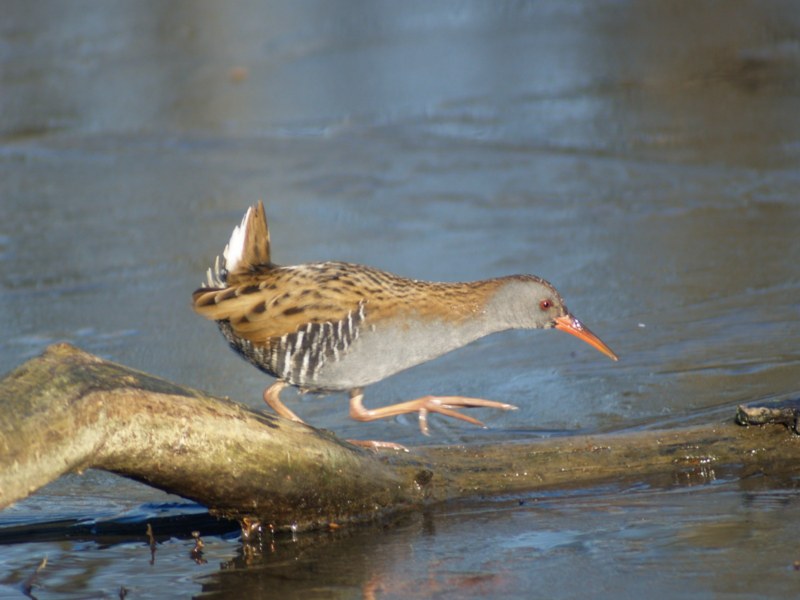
(272,398)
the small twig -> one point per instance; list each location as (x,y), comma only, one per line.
(27,585)
(197,551)
(251,530)
(153,544)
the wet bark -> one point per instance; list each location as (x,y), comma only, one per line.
(67,411)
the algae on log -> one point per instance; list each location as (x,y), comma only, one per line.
(68,410)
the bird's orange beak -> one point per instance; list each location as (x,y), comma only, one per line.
(571,325)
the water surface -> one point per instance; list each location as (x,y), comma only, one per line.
(641,156)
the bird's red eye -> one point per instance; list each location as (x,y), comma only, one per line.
(545,304)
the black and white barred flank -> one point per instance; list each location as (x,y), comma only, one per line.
(297,357)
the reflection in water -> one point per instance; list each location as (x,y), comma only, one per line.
(642,156)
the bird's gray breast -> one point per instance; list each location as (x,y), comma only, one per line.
(383,349)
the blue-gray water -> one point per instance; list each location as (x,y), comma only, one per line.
(643,156)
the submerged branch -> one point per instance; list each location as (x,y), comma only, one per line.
(68,410)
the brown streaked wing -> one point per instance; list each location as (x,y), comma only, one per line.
(282,299)
(276,304)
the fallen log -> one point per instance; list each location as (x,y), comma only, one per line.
(67,410)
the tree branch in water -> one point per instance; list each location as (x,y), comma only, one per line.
(68,410)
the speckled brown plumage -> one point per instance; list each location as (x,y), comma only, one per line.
(276,301)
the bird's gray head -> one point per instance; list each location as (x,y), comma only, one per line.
(529,302)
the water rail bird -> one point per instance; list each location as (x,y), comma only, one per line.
(339,327)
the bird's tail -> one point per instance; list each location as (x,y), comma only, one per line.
(245,253)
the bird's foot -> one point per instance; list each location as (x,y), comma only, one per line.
(443,405)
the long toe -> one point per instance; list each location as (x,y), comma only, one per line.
(447,411)
(465,402)
(446,405)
